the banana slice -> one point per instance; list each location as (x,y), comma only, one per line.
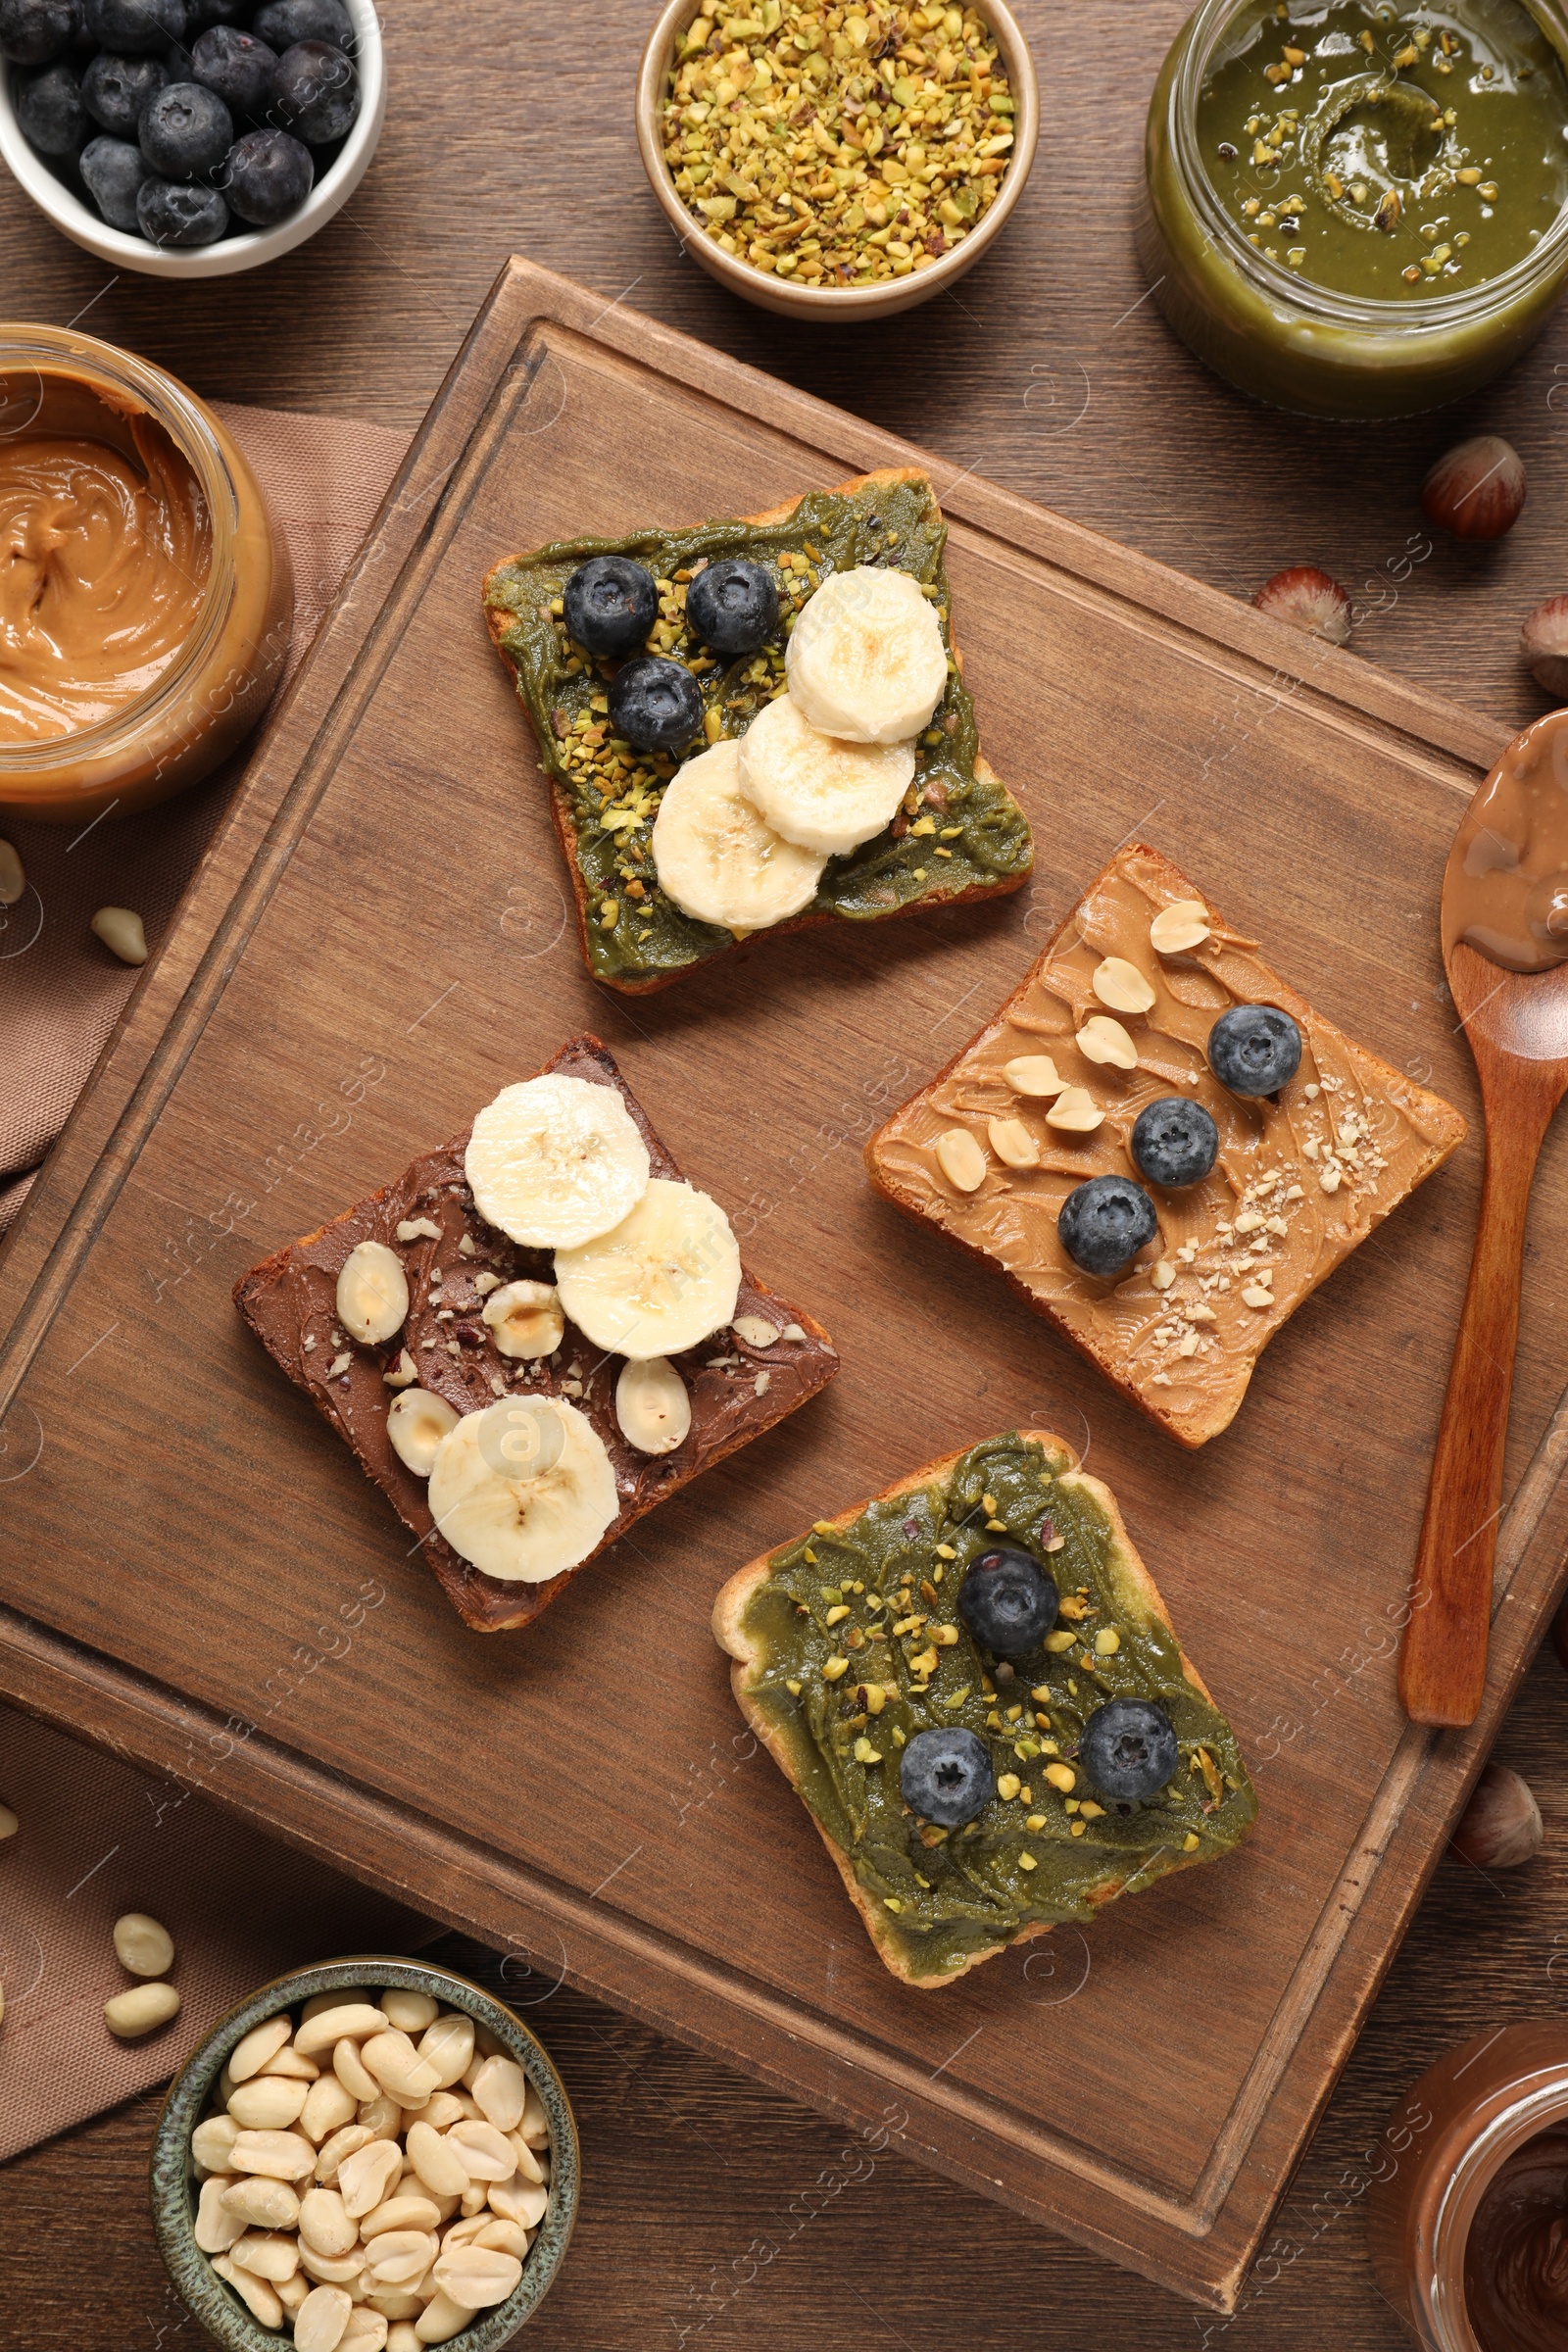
(416,1421)
(820,791)
(865,657)
(664,1279)
(716,857)
(372,1292)
(525,1490)
(555,1161)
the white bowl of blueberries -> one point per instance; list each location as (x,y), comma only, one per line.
(189,138)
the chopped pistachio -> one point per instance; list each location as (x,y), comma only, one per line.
(829,154)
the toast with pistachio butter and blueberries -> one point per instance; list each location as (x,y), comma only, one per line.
(973,1686)
(1162,1145)
(755,726)
(536,1334)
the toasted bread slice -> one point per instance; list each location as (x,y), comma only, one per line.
(899,872)
(760,1612)
(289,1301)
(1301,1179)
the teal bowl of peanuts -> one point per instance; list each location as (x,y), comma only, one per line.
(837,163)
(372,2155)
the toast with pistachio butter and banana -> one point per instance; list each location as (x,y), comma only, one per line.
(974,1687)
(756,726)
(533,1336)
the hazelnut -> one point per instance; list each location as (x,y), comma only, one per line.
(1544,642)
(1477,491)
(1307,599)
(1500,1825)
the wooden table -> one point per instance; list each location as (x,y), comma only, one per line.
(718,2213)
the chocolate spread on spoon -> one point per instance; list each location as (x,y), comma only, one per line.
(1505,891)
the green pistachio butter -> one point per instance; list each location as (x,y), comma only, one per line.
(949,1895)
(611,792)
(1393,154)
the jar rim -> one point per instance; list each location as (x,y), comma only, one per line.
(1512,2127)
(59,351)
(1322,304)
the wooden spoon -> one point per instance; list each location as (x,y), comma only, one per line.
(1517,1025)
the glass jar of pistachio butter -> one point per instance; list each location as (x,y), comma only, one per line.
(1356,208)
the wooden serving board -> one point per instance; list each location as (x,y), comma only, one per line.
(194,1570)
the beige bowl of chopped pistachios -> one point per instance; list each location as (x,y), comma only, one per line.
(831,159)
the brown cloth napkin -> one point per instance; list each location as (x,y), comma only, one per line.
(99,1838)
(61,990)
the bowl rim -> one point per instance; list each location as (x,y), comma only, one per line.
(75,220)
(170,2175)
(843,301)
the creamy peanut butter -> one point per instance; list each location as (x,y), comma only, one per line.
(105,552)
(1505,890)
(1299,1180)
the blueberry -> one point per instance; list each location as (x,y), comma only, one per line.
(268,175)
(200,13)
(1106,1222)
(178,211)
(1129,1750)
(733,606)
(1009,1602)
(1254,1049)
(1174,1142)
(135,28)
(235,67)
(611,604)
(49,110)
(316,92)
(114,170)
(186,131)
(115,89)
(35,32)
(285,21)
(946,1776)
(656,705)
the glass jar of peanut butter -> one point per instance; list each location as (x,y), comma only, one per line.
(144,602)
(1468,2235)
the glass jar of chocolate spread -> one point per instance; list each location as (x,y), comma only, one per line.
(144,602)
(1469,2237)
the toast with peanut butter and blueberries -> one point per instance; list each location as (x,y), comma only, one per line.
(1162,1145)
(973,1686)
(756,726)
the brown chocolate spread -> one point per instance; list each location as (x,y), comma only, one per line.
(738,1389)
(105,550)
(1505,891)
(1517,2255)
(1300,1178)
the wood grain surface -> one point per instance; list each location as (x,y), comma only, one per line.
(1055,378)
(336,954)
